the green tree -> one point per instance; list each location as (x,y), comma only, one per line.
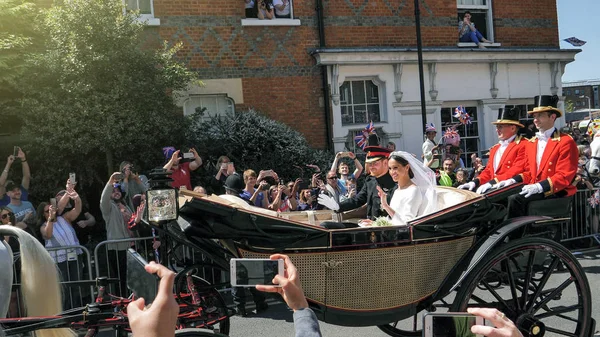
(19,38)
(254,141)
(96,96)
(569,106)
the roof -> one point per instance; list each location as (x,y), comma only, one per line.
(582,83)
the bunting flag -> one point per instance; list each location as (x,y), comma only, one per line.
(575,41)
(363,138)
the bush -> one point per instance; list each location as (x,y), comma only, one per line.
(253,141)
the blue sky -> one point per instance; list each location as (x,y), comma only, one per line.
(579,18)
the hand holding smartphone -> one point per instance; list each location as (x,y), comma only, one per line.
(252,272)
(450,324)
(139,281)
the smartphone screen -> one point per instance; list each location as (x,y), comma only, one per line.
(15,151)
(73,178)
(451,325)
(188,155)
(53,202)
(139,281)
(250,272)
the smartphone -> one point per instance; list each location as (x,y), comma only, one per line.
(250,272)
(53,202)
(73,178)
(15,151)
(450,324)
(119,177)
(139,281)
(188,155)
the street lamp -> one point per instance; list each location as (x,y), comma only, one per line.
(589,106)
(161,199)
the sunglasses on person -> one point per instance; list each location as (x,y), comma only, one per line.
(332,178)
(6,215)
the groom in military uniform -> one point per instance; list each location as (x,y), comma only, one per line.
(377,160)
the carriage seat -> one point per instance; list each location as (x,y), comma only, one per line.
(450,196)
(237,202)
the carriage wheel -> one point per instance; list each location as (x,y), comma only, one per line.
(214,311)
(197,333)
(535,282)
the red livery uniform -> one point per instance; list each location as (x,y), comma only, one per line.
(513,162)
(557,167)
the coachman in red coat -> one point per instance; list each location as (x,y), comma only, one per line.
(551,160)
(507,158)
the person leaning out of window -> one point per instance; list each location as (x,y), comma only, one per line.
(265,9)
(282,9)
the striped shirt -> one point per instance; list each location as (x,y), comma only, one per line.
(63,234)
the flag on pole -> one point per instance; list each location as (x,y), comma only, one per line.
(575,41)
(363,138)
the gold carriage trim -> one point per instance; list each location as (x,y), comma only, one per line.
(376,278)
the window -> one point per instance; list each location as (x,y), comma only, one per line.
(481,15)
(281,18)
(360,102)
(576,91)
(567,92)
(469,134)
(208,105)
(524,117)
(145,8)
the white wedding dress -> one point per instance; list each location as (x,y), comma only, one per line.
(407,205)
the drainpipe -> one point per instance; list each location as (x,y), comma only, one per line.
(326,106)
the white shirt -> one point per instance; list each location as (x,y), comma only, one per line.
(541,145)
(286,9)
(498,156)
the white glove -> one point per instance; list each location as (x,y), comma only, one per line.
(328,202)
(529,190)
(483,188)
(505,183)
(468,186)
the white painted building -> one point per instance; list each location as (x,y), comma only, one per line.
(382,84)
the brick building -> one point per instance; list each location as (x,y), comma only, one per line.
(364,53)
(578,92)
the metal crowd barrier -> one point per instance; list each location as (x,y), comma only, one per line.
(75,293)
(110,260)
(584,219)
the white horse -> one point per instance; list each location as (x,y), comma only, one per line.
(39,280)
(594,168)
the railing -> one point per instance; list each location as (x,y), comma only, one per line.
(584,218)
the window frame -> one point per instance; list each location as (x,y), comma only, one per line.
(148,19)
(381,90)
(479,8)
(188,100)
(463,130)
(273,22)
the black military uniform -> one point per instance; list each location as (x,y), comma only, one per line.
(368,194)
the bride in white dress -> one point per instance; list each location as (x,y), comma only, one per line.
(414,195)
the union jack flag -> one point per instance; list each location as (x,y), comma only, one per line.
(462,115)
(362,139)
(575,41)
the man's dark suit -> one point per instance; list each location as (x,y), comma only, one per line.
(368,194)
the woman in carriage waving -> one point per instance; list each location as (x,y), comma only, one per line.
(414,194)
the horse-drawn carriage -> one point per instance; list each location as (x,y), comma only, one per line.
(465,254)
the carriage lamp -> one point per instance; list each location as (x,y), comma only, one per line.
(162,202)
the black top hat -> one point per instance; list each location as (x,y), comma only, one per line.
(509,116)
(374,153)
(235,183)
(373,140)
(546,103)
